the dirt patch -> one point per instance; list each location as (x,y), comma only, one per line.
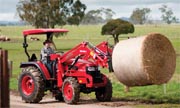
(49,102)
(118,104)
(14,92)
(87,100)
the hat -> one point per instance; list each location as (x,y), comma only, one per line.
(46,41)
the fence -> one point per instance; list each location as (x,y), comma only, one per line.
(4,79)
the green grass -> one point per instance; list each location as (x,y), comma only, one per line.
(77,34)
(157,106)
(154,93)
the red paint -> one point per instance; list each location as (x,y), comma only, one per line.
(60,73)
(43,31)
(68,91)
(103,46)
(82,80)
(44,70)
(88,53)
(54,56)
(73,63)
(27,85)
(87,79)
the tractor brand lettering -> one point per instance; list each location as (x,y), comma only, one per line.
(82,51)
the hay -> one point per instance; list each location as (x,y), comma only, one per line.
(145,60)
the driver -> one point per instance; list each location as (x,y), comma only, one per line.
(45,53)
(46,50)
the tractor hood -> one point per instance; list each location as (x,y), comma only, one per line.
(82,62)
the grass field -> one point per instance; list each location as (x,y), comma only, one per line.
(167,93)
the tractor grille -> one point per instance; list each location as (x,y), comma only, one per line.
(95,73)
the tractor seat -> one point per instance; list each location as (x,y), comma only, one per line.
(33,57)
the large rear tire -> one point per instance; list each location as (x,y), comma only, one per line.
(71,90)
(104,93)
(31,85)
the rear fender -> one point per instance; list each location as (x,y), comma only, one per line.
(42,68)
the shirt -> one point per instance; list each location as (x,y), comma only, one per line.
(46,52)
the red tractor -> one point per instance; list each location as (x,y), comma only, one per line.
(73,72)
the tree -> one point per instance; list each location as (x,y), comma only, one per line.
(49,13)
(92,17)
(108,13)
(117,27)
(140,16)
(167,14)
(78,10)
(98,16)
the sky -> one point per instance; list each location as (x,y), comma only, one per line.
(122,8)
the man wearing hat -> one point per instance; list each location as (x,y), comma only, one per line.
(45,53)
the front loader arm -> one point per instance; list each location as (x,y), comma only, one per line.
(105,47)
(104,54)
(87,51)
(79,50)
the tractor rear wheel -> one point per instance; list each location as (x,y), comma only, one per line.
(31,85)
(71,90)
(104,93)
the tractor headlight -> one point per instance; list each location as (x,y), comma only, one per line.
(91,69)
(99,68)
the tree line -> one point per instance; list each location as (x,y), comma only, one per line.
(141,16)
(49,13)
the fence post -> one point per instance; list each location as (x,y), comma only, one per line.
(4,79)
(10,67)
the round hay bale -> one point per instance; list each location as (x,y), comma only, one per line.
(145,60)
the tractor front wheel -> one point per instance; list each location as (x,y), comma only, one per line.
(71,90)
(104,93)
(31,85)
